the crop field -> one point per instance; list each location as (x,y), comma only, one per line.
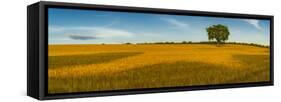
(97,67)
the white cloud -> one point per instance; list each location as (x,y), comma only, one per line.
(253,22)
(98,32)
(175,23)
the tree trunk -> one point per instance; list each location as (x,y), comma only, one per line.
(218,43)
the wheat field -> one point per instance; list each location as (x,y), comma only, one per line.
(94,67)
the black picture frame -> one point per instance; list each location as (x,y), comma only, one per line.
(37,54)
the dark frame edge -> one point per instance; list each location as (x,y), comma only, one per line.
(32,50)
(42,51)
(155,10)
(272,50)
(184,89)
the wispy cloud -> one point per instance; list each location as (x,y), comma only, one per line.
(80,37)
(175,22)
(112,32)
(55,29)
(113,22)
(90,32)
(253,22)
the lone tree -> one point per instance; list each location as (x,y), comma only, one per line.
(218,32)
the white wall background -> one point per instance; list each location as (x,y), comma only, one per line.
(13,51)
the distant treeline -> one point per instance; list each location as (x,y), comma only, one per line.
(202,42)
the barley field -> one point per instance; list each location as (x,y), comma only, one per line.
(93,67)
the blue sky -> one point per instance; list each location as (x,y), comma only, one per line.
(73,26)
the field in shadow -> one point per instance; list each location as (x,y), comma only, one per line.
(257,68)
(72,60)
(181,73)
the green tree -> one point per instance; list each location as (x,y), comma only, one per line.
(218,32)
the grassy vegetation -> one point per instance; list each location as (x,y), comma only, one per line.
(73,60)
(205,42)
(82,68)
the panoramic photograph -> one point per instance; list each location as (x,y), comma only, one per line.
(92,51)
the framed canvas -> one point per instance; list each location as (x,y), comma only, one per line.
(81,50)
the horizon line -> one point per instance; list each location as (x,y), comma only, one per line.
(163,42)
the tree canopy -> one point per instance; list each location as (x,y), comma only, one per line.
(218,32)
